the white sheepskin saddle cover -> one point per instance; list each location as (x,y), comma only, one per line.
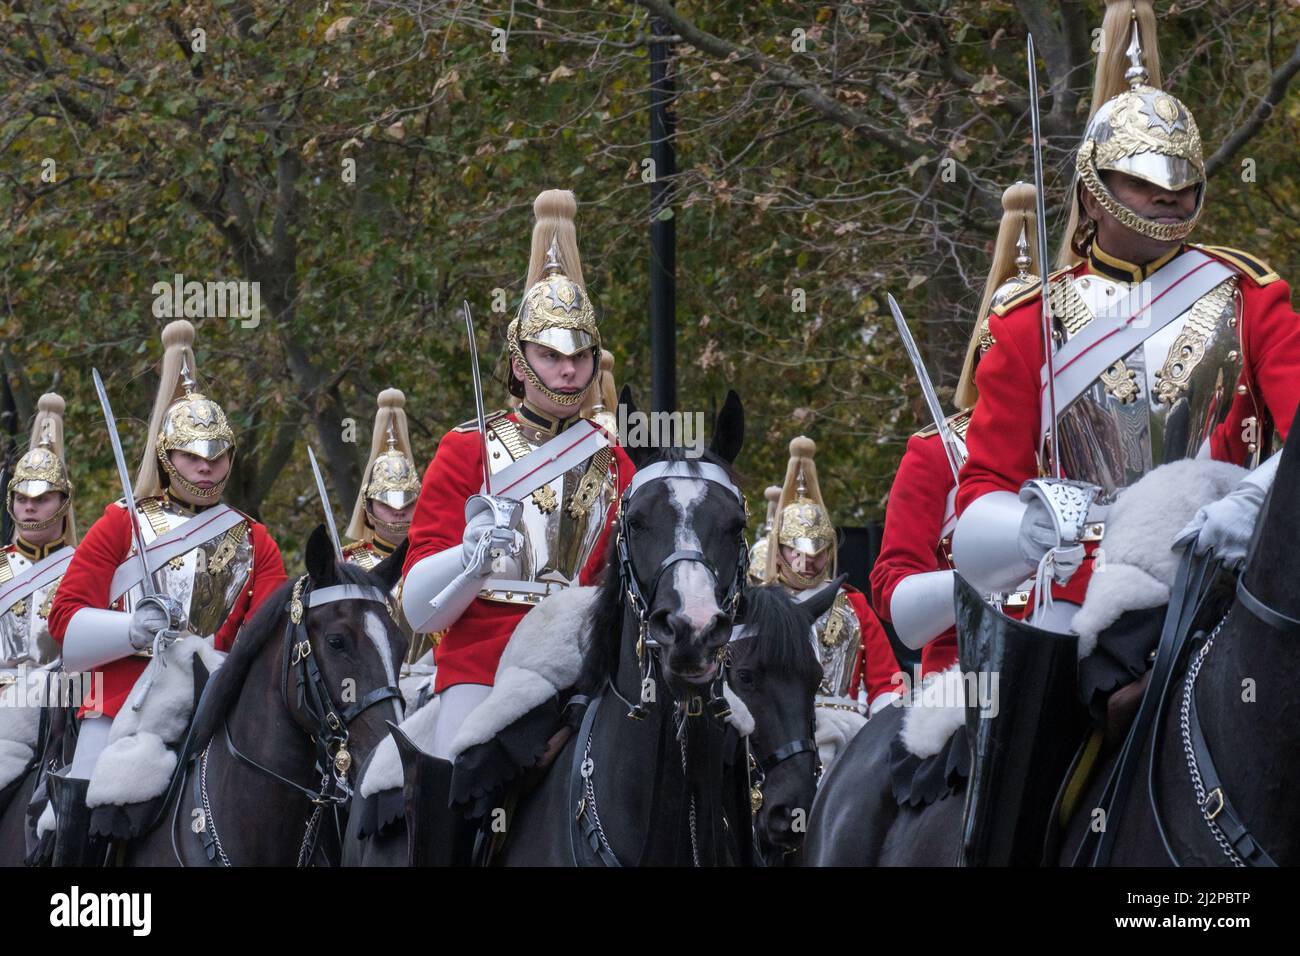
(137,764)
(937,708)
(1139,564)
(20,719)
(542,659)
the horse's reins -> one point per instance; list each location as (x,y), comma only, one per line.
(586,827)
(313,709)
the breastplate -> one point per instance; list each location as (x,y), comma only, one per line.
(24,625)
(207,579)
(562,519)
(839,637)
(1161,401)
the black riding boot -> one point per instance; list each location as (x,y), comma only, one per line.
(437,835)
(73,844)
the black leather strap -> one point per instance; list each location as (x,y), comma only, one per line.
(1261,611)
(793,748)
(1185,596)
(582,828)
(206,834)
(1217,805)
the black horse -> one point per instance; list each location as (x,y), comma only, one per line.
(775,672)
(1211,785)
(670,786)
(305,694)
(1216,783)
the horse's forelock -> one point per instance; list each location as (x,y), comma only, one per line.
(782,642)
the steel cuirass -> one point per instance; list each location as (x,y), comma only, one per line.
(838,639)
(1161,401)
(206,580)
(562,519)
(24,625)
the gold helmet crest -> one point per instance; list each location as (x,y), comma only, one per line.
(390,474)
(1141,131)
(556,312)
(42,467)
(1014,269)
(183,419)
(802,521)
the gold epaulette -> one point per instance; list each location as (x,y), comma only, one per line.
(472,424)
(1028,295)
(1259,271)
(353,548)
(957,423)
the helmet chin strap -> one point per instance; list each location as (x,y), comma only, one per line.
(788,576)
(200,496)
(394,533)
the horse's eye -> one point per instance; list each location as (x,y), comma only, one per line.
(335,641)
(745,677)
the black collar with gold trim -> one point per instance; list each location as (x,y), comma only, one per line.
(37,552)
(1103,263)
(538,426)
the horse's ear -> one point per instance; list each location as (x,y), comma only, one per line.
(729,429)
(642,452)
(389,570)
(821,600)
(320,556)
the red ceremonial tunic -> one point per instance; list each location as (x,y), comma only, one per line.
(86,584)
(1003,437)
(876,666)
(472,647)
(913,539)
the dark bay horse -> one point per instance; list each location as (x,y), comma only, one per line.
(295,708)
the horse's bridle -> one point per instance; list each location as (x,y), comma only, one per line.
(636,593)
(313,709)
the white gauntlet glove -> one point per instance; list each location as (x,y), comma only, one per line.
(489,536)
(1226,526)
(1058,513)
(153,617)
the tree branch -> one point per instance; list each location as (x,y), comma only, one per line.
(1277,88)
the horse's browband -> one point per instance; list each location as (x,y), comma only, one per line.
(682,469)
(345,592)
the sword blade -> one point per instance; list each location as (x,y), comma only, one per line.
(927,388)
(1041,211)
(128,494)
(478,399)
(325,503)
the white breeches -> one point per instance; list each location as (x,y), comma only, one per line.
(457,702)
(1056,618)
(92,738)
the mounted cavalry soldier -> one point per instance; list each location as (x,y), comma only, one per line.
(214,566)
(1162,351)
(386,501)
(39,499)
(857,661)
(912,579)
(517,505)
